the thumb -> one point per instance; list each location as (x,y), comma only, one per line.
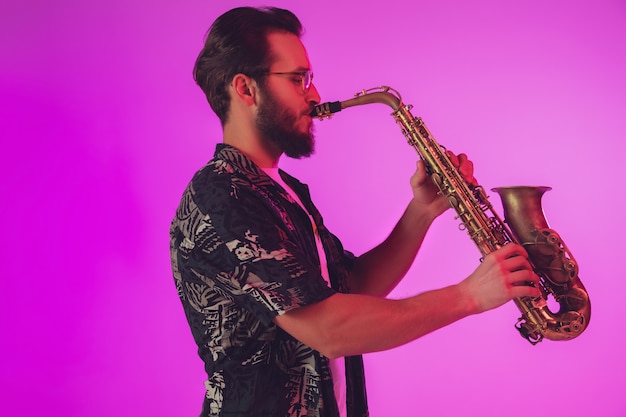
(420,176)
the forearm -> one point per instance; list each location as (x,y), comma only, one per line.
(348,324)
(379,270)
(360,324)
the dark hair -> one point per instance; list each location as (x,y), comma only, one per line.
(237,43)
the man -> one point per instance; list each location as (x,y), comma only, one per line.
(280,311)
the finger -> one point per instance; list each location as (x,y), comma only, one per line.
(466,168)
(509,250)
(516,263)
(525,291)
(464,162)
(521,278)
(453,158)
(420,174)
(517,250)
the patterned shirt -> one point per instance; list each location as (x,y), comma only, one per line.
(243,252)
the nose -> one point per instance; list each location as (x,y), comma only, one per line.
(314,95)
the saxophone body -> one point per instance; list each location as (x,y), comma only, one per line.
(524,223)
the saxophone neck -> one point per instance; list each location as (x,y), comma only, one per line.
(384,95)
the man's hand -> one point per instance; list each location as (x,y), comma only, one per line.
(426,193)
(464,166)
(503,275)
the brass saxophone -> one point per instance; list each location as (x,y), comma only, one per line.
(524,223)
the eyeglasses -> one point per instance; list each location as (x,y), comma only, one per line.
(303,77)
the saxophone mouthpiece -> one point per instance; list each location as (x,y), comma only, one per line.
(325,110)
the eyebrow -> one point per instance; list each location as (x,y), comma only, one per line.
(301,69)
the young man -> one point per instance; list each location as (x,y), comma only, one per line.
(280,311)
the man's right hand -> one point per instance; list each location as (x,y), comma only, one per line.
(503,275)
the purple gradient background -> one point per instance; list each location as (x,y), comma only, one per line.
(102,127)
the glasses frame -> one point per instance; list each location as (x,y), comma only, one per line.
(306,81)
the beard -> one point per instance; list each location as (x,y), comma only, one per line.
(277,127)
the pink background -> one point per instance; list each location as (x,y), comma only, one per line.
(102,127)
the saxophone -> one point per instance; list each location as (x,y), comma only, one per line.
(524,223)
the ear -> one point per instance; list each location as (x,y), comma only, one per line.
(245,89)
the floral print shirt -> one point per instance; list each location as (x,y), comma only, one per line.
(243,251)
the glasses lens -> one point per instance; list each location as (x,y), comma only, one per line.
(307,80)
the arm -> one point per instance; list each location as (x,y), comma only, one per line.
(349,324)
